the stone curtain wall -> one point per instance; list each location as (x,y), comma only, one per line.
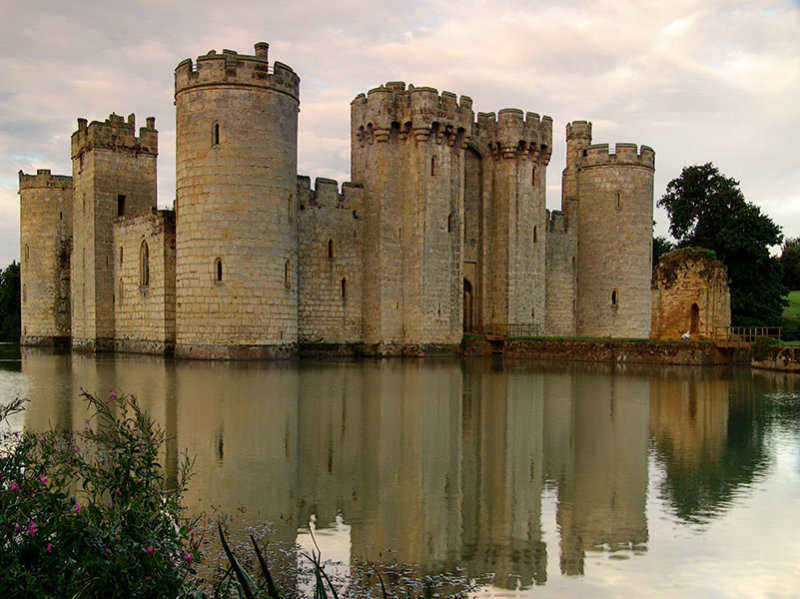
(145,313)
(45,246)
(561,271)
(330,232)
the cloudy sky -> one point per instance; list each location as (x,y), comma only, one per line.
(699,81)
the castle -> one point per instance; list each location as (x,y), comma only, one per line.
(442,232)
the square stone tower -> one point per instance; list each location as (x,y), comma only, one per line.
(114,174)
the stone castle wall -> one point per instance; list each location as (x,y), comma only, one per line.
(114,173)
(330,231)
(144,274)
(45,246)
(236,264)
(443,231)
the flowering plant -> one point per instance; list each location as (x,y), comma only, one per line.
(93,513)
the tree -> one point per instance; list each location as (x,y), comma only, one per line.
(790,261)
(661,246)
(707,209)
(10,317)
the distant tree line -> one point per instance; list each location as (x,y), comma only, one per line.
(10,317)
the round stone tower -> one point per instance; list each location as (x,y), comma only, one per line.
(236,248)
(615,229)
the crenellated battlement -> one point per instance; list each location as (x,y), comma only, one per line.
(115,134)
(624,154)
(325,194)
(579,130)
(231,68)
(420,112)
(557,222)
(513,134)
(43,180)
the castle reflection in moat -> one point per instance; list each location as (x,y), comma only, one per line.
(439,464)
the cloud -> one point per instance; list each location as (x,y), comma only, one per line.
(697,81)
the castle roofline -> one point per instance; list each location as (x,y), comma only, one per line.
(230,68)
(115,134)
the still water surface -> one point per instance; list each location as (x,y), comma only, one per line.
(533,479)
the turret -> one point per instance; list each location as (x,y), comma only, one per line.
(45,247)
(236,254)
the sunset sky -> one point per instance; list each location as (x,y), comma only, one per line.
(711,81)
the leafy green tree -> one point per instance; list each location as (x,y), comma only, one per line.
(790,260)
(661,246)
(10,317)
(707,209)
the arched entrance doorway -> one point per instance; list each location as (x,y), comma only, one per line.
(469,308)
(695,323)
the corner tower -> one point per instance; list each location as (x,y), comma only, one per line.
(114,174)
(236,252)
(615,229)
(408,152)
(45,246)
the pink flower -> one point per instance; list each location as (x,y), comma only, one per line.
(76,508)
(32,528)
(16,527)
(112,395)
(108,551)
(149,550)
(86,421)
(43,479)
(13,486)
(49,548)
(188,557)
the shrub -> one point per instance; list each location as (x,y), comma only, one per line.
(86,514)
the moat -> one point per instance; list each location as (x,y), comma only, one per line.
(528,478)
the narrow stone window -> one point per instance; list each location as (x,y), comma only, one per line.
(60,216)
(614,298)
(27,253)
(344,288)
(287,274)
(120,205)
(215,136)
(144,265)
(289,207)
(535,236)
(119,291)
(433,166)
(218,270)
(330,249)
(573,265)
(619,200)
(450,223)
(533,175)
(24,294)
(120,255)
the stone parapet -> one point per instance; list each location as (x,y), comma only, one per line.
(231,68)
(115,134)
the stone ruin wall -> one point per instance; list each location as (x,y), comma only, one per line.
(45,247)
(682,279)
(330,262)
(144,314)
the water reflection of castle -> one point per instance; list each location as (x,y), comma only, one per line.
(446,465)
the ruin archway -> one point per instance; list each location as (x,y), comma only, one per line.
(694,327)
